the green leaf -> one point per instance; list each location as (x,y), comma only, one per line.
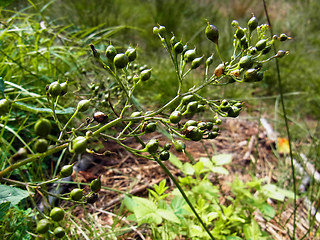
(4,207)
(168,215)
(233,238)
(222,159)
(252,231)
(220,170)
(130,204)
(2,86)
(206,162)
(12,194)
(175,161)
(36,110)
(146,211)
(272,191)
(4,3)
(267,211)
(188,169)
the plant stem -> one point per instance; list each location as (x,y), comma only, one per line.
(287,126)
(176,183)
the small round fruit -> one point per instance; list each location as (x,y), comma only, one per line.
(120,60)
(145,74)
(245,62)
(164,155)
(4,106)
(178,47)
(209,125)
(83,105)
(190,123)
(192,107)
(189,55)
(175,117)
(253,23)
(218,71)
(167,146)
(202,125)
(59,232)
(266,49)
(111,52)
(95,185)
(261,44)
(212,135)
(66,171)
(152,146)
(212,33)
(131,53)
(239,33)
(209,60)
(79,144)
(179,145)
(64,88)
(151,127)
(92,198)
(57,214)
(76,194)
(162,30)
(41,145)
(54,89)
(196,62)
(283,37)
(100,117)
(252,75)
(43,226)
(42,127)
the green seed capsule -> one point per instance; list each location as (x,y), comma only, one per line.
(196,62)
(261,44)
(43,226)
(155,30)
(190,123)
(283,37)
(76,194)
(121,60)
(245,62)
(145,74)
(164,155)
(179,145)
(95,185)
(111,52)
(281,53)
(59,232)
(175,117)
(212,33)
(42,127)
(66,171)
(178,48)
(57,214)
(239,33)
(4,106)
(173,40)
(212,135)
(151,127)
(162,30)
(209,61)
(192,107)
(189,55)
(266,49)
(83,105)
(152,146)
(252,23)
(92,198)
(54,89)
(202,126)
(167,146)
(235,23)
(64,88)
(79,145)
(252,75)
(41,145)
(131,53)
(234,112)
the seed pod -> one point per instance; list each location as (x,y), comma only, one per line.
(192,107)
(79,145)
(59,232)
(253,75)
(235,73)
(167,146)
(212,33)
(179,145)
(64,88)
(22,153)
(152,145)
(43,226)
(239,33)
(190,123)
(253,50)
(151,127)
(175,117)
(96,54)
(202,125)
(244,43)
(189,98)
(235,23)
(252,23)
(209,60)
(83,105)
(196,62)
(41,145)
(56,214)
(162,30)
(189,55)
(66,171)
(111,52)
(281,53)
(95,185)
(218,71)
(261,44)
(121,60)
(155,30)
(283,37)
(245,62)
(4,106)
(164,155)
(76,194)
(42,127)
(266,49)
(54,89)
(92,198)
(234,112)
(173,40)
(212,135)
(100,117)
(131,53)
(145,74)
(178,48)
(209,125)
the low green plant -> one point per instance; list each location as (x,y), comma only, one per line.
(179,117)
